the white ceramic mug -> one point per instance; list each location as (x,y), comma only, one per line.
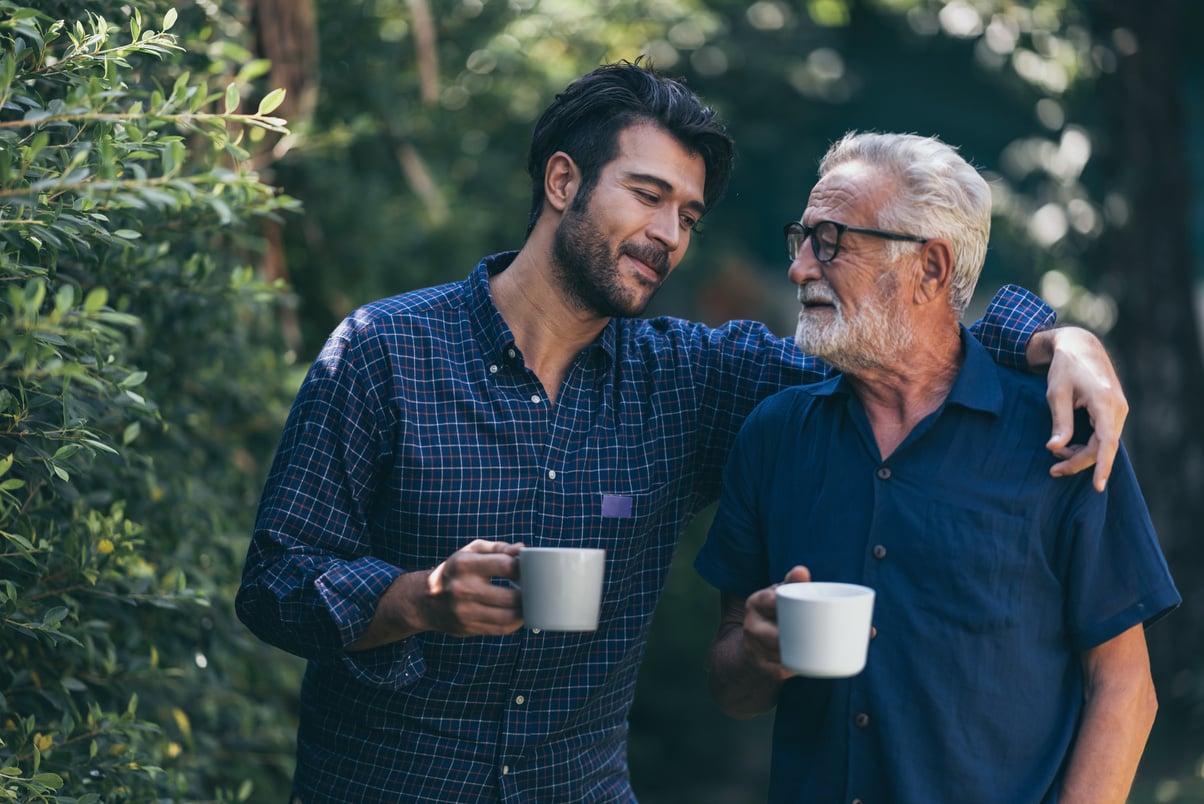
(824,628)
(561,587)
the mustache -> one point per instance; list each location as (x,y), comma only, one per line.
(812,292)
(655,258)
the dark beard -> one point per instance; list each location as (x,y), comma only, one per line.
(588,269)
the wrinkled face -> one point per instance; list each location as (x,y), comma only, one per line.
(616,244)
(852,314)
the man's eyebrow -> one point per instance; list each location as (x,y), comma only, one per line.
(657,181)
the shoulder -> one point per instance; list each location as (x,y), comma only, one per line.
(407,309)
(790,407)
(737,346)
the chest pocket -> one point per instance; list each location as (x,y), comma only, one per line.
(972,567)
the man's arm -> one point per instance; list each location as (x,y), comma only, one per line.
(1081,375)
(1117,717)
(745,669)
(1016,329)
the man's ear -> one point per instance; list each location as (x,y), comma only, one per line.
(936,271)
(561,180)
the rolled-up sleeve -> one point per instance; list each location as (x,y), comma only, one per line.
(310,584)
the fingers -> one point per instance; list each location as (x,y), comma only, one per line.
(1076,458)
(464,600)
(1061,407)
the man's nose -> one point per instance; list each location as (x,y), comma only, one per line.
(665,228)
(804,267)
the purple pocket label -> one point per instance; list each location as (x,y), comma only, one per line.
(616,507)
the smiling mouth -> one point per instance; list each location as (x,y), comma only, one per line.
(646,271)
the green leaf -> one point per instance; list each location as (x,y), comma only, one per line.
(64,299)
(96,299)
(169,19)
(132,379)
(271,101)
(128,234)
(6,463)
(51,780)
(130,433)
(66,451)
(231,98)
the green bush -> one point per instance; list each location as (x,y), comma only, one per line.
(140,378)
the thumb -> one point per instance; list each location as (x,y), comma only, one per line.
(798,574)
(1061,408)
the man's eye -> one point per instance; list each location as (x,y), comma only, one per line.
(644,195)
(689,223)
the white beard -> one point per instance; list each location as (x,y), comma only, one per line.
(878,337)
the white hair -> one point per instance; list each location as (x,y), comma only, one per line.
(939,195)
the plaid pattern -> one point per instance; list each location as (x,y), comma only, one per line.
(419,429)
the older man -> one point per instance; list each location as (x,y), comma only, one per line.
(1008,662)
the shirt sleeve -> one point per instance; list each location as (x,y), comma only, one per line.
(310,584)
(734,558)
(1012,318)
(1116,576)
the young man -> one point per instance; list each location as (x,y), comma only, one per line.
(441,429)
(1008,662)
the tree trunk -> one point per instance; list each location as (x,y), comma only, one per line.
(1146,265)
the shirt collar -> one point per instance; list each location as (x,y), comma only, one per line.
(494,335)
(976,387)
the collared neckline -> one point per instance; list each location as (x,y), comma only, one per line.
(976,387)
(492,332)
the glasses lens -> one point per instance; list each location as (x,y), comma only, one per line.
(795,235)
(825,241)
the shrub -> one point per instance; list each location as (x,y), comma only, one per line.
(140,381)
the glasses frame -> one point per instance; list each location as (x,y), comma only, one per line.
(803,232)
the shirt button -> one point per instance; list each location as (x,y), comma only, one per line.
(493,369)
(879,551)
(551,474)
(883,473)
(535,398)
(873,632)
(856,801)
(520,700)
(510,353)
(505,769)
(534,630)
(861,720)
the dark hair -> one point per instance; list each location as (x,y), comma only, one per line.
(586,119)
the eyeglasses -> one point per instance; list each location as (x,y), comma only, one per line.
(825,238)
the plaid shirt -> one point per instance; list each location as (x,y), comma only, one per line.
(419,429)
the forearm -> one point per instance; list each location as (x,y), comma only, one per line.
(1118,714)
(740,687)
(308,605)
(399,612)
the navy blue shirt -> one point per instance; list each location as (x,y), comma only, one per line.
(991,578)
(419,429)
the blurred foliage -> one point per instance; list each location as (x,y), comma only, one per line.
(145,364)
(140,385)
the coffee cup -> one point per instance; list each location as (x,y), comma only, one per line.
(824,628)
(561,587)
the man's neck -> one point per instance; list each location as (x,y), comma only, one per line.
(897,397)
(548,331)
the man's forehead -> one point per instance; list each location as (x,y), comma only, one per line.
(850,185)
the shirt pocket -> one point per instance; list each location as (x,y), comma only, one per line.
(637,529)
(972,567)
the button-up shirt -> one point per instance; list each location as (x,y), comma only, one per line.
(419,429)
(991,579)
